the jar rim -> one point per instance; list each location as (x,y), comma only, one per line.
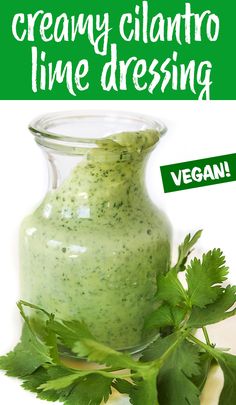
(62,128)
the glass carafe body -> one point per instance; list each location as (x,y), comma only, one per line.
(94,246)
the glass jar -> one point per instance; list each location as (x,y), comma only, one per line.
(94,246)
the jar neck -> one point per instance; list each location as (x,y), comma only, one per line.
(96,185)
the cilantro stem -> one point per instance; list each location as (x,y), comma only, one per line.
(113,376)
(204,329)
(22,304)
(104,373)
(205,346)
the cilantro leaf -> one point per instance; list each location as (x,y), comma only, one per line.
(60,378)
(228,365)
(90,390)
(70,332)
(216,312)
(54,396)
(98,352)
(61,382)
(140,391)
(27,356)
(42,375)
(40,327)
(122,386)
(144,392)
(170,289)
(156,349)
(205,362)
(51,340)
(205,277)
(165,316)
(185,357)
(174,381)
(185,249)
(175,388)
(175,384)
(160,318)
(33,381)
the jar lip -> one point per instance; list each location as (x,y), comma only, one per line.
(60,129)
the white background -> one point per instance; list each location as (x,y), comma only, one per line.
(195,130)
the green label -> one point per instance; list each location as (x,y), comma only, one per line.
(199,173)
(156,49)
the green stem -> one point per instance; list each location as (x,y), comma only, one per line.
(113,376)
(204,329)
(108,374)
(205,346)
(22,304)
(52,341)
(146,368)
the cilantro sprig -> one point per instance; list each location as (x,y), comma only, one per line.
(172,370)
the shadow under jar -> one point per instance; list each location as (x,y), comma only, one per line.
(94,246)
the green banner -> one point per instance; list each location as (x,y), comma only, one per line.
(156,49)
(199,173)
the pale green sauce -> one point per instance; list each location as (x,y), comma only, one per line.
(94,246)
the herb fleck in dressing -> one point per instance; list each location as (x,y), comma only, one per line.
(94,246)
